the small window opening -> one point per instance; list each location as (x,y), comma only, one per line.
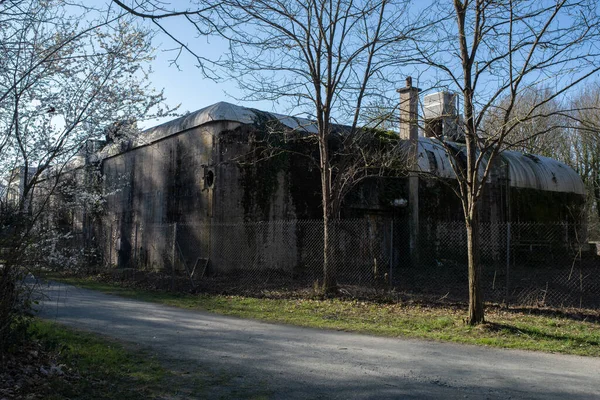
(209,178)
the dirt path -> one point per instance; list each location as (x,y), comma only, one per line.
(236,358)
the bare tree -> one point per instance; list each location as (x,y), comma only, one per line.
(326,59)
(584,147)
(205,16)
(494,53)
(66,74)
(538,129)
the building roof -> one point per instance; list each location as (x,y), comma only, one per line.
(538,172)
(524,170)
(221,111)
(224,111)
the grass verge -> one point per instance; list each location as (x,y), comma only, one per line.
(505,328)
(93,367)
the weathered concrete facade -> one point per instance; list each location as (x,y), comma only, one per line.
(174,193)
(187,183)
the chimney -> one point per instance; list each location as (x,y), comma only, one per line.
(409,131)
(409,111)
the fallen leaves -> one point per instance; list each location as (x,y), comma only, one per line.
(27,372)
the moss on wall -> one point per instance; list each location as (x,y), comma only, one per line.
(304,183)
(258,152)
(260,182)
(271,158)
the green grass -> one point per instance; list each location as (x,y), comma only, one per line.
(504,328)
(104,368)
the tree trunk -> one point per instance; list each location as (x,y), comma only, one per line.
(7,305)
(329,273)
(9,279)
(476,311)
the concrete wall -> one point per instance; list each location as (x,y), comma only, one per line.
(149,189)
(202,194)
(185,198)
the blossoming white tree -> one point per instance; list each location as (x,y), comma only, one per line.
(66,73)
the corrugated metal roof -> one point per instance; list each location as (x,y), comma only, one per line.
(433,158)
(543,173)
(524,170)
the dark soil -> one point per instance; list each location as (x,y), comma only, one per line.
(31,372)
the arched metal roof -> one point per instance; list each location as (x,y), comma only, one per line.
(538,172)
(524,170)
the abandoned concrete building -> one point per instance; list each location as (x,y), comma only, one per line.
(178,190)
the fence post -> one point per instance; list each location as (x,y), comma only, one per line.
(135,248)
(507,261)
(173,254)
(391,251)
(111,239)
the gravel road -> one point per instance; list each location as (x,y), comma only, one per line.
(286,362)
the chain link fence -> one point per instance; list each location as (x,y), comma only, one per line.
(522,263)
(528,264)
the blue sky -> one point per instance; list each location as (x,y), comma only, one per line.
(184,84)
(187,86)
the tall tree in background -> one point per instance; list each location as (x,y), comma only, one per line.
(584,146)
(492,53)
(538,129)
(66,73)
